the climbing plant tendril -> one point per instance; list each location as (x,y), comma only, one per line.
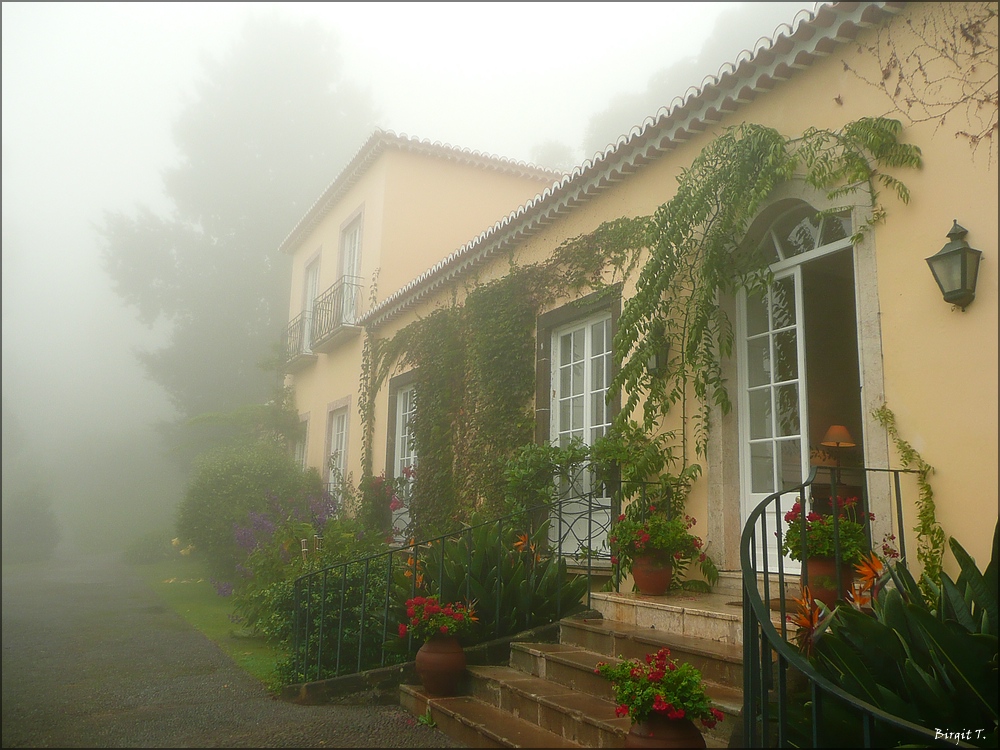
(695,258)
(475,362)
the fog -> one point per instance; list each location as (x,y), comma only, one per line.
(91,95)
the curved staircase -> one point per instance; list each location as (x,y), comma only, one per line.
(549,696)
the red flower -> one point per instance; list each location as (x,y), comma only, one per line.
(402,630)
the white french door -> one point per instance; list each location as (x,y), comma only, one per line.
(774,452)
(581,374)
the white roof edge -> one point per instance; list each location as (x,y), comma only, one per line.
(830,22)
(373,147)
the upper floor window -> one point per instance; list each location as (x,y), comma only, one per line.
(350,269)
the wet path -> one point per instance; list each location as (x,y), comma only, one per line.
(92,658)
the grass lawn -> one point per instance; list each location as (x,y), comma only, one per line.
(185,587)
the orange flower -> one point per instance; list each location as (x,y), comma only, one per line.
(521,543)
(807,620)
(857,596)
(869,571)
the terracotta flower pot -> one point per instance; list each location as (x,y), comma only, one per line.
(440,664)
(823,579)
(652,574)
(659,731)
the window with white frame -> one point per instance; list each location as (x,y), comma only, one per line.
(581,359)
(404,457)
(350,268)
(336,440)
(580,377)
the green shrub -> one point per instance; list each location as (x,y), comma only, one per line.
(504,568)
(152,547)
(232,482)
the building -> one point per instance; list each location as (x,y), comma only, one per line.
(865,325)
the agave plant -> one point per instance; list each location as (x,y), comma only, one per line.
(934,664)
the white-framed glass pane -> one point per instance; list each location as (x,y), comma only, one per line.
(760,413)
(756,315)
(337,440)
(762,467)
(789,463)
(759,361)
(786,356)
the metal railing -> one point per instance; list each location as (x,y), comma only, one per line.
(337,307)
(776,712)
(347,615)
(297,336)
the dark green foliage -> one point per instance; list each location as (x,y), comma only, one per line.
(231,482)
(538,475)
(247,170)
(438,431)
(31,531)
(341,621)
(502,567)
(934,666)
(499,320)
(692,260)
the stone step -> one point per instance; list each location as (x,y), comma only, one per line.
(572,667)
(573,715)
(552,688)
(475,723)
(718,662)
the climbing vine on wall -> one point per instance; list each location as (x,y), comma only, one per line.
(695,258)
(930,535)
(475,362)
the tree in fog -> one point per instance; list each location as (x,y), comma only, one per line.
(268,127)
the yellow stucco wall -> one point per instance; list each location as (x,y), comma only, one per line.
(415,209)
(939,366)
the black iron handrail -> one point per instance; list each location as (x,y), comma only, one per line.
(769,659)
(350,605)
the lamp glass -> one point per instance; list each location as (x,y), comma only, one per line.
(838,437)
(956,268)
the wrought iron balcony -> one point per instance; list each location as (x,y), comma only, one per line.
(298,342)
(336,312)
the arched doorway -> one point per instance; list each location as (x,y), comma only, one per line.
(797,355)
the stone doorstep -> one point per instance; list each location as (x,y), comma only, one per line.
(718,662)
(477,724)
(681,613)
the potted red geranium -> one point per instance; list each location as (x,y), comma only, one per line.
(440,661)
(663,698)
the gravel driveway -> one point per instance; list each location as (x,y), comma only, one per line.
(93,658)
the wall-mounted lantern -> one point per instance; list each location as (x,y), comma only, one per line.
(956,268)
(656,363)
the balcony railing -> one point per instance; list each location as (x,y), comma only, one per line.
(298,340)
(335,312)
